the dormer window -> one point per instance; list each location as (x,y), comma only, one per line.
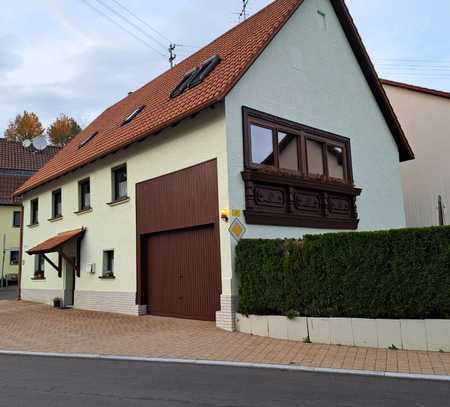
(133,114)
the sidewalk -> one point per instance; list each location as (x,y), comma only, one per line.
(33,327)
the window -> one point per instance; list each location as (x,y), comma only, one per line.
(85,195)
(16,219)
(196,75)
(291,147)
(39,271)
(133,114)
(34,212)
(296,175)
(14,257)
(56,204)
(288,151)
(108,263)
(87,139)
(119,180)
(184,84)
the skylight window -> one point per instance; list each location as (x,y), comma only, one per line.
(133,114)
(184,84)
(206,68)
(196,75)
(87,140)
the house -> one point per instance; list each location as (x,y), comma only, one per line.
(280,123)
(17,164)
(424,115)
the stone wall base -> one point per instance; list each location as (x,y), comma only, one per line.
(226,317)
(106,301)
(40,295)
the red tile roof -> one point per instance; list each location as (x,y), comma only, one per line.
(238,49)
(14,156)
(8,184)
(17,164)
(52,244)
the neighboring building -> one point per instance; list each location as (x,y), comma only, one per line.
(17,164)
(129,213)
(425,117)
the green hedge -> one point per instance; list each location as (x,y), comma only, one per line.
(388,274)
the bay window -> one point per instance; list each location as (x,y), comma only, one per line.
(296,175)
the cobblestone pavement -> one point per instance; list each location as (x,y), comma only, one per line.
(27,326)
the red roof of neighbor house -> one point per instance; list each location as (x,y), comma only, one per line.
(17,164)
(8,184)
(52,244)
(238,49)
(14,156)
(416,88)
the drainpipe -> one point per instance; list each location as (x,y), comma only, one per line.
(3,260)
(19,274)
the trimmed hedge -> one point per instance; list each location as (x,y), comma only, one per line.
(401,273)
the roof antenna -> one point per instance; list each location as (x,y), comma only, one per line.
(243,13)
(172,55)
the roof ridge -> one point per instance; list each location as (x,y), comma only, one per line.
(416,88)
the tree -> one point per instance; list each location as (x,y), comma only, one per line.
(62,130)
(25,126)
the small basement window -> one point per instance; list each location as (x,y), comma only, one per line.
(133,114)
(87,140)
(14,257)
(108,264)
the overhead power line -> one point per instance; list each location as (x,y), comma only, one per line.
(135,26)
(142,21)
(98,11)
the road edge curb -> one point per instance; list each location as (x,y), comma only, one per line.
(204,362)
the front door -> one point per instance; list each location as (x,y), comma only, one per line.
(69,283)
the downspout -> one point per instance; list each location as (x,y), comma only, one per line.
(19,277)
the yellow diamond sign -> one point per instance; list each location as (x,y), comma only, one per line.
(237,229)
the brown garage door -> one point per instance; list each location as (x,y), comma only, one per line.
(178,243)
(182,269)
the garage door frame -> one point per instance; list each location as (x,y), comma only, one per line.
(197,215)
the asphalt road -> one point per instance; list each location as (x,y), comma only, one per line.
(9,293)
(41,381)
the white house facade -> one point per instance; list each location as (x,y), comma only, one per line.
(300,139)
(424,115)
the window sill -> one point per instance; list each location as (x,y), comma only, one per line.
(33,225)
(56,218)
(107,277)
(38,279)
(83,211)
(119,201)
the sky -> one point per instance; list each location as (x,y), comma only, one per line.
(65,56)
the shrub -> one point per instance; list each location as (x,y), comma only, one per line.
(401,273)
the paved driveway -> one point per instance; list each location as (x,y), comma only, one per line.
(35,327)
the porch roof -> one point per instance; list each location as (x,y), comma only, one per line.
(55,242)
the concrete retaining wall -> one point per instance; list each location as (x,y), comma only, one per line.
(414,334)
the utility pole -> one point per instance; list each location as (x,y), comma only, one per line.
(243,13)
(172,55)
